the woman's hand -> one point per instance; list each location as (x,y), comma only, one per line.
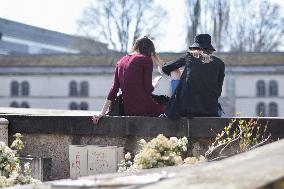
(96,118)
(176,74)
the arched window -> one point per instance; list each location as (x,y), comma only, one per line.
(14,104)
(25,88)
(73,106)
(260,109)
(273,88)
(273,109)
(84,88)
(14,88)
(73,88)
(25,105)
(260,88)
(84,106)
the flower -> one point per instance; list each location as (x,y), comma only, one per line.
(193,160)
(127,156)
(142,142)
(190,160)
(10,167)
(18,143)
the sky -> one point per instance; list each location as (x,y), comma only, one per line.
(62,16)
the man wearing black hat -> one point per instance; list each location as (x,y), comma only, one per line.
(200,83)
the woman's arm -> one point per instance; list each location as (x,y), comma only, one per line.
(111,96)
(174,65)
(106,105)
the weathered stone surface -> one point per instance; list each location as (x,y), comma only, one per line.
(4,130)
(131,126)
(50,136)
(56,146)
(249,170)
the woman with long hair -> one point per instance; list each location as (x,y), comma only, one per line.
(133,75)
(200,83)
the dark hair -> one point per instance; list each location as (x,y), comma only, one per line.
(144,46)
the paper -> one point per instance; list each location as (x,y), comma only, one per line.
(93,159)
(102,159)
(156,80)
(78,161)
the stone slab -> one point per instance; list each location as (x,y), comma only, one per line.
(203,127)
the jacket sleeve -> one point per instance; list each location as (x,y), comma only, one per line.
(221,77)
(115,86)
(147,76)
(173,65)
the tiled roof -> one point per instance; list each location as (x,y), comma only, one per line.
(238,59)
(59,60)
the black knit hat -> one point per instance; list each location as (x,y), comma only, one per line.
(202,41)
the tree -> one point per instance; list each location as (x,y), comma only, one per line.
(220,11)
(239,25)
(193,19)
(257,30)
(120,22)
(208,16)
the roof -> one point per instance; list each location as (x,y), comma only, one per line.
(242,59)
(20,31)
(235,59)
(59,60)
(33,33)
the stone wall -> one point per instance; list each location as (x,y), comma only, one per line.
(50,136)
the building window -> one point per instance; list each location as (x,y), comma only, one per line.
(273,88)
(84,106)
(25,88)
(273,109)
(84,88)
(25,105)
(260,88)
(260,109)
(73,88)
(73,106)
(14,104)
(14,88)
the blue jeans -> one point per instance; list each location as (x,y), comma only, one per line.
(174,84)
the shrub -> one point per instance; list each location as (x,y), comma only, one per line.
(10,170)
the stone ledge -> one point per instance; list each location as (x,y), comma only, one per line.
(254,169)
(130,126)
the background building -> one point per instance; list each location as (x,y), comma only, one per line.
(17,38)
(254,82)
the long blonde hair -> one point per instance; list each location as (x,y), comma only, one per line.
(203,54)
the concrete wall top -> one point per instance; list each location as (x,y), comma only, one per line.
(130,126)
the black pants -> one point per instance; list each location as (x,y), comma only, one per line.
(161,99)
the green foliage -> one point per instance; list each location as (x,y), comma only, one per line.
(10,171)
(243,134)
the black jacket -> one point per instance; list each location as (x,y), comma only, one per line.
(199,88)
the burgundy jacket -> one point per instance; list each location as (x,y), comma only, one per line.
(133,75)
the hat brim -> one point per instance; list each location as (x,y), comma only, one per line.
(202,46)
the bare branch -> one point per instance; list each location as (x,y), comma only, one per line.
(120,22)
